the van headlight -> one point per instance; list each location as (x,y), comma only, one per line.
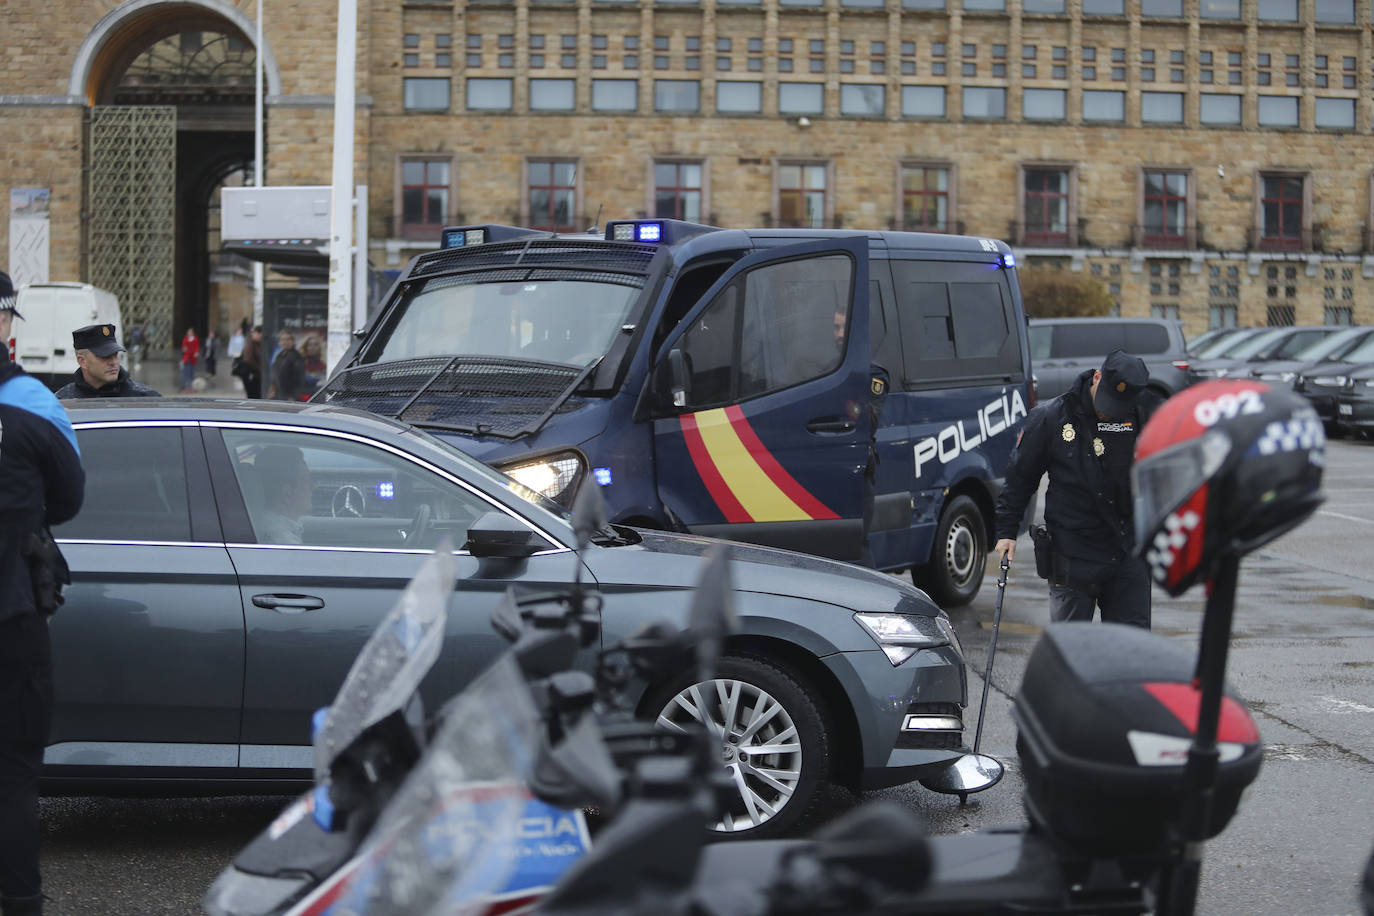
(901,636)
(554,476)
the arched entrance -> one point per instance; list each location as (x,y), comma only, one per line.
(171,87)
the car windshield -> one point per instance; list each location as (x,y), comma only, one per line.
(1364,353)
(1215,348)
(1332,343)
(560,320)
(1251,345)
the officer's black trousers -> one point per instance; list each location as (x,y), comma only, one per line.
(1124,598)
(25,716)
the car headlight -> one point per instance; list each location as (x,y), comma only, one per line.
(555,476)
(901,636)
(1276,376)
(1328,381)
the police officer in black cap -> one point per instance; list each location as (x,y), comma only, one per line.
(1085,440)
(100,375)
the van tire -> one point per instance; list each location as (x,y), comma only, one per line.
(959,556)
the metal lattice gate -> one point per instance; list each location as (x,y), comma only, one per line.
(131,196)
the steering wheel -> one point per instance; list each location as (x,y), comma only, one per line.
(419,526)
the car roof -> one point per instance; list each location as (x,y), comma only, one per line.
(1106,319)
(107,410)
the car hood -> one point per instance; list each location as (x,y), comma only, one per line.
(676,561)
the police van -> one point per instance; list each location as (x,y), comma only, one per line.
(844,393)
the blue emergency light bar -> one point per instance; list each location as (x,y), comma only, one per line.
(653,231)
(464,236)
(1008,260)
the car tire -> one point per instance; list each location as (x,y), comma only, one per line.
(775,797)
(959,556)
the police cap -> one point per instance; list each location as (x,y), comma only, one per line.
(8,299)
(100,339)
(1123,378)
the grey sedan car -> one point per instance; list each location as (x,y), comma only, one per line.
(232,557)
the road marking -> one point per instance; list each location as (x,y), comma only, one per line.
(1343,706)
(1349,518)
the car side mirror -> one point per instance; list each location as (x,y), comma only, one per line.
(672,381)
(496,534)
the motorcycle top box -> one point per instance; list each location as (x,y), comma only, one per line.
(1105,716)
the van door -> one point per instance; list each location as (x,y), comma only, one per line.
(760,402)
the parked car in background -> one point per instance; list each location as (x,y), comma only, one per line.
(1220,344)
(1355,403)
(232,557)
(1061,348)
(1321,384)
(1331,348)
(1206,339)
(1270,344)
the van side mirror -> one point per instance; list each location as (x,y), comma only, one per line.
(672,381)
(496,534)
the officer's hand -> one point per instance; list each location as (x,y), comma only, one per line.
(1006,546)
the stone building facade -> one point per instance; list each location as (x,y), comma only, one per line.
(1209,159)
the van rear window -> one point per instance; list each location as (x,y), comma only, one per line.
(956,320)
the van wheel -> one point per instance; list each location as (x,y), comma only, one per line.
(959,556)
(773,741)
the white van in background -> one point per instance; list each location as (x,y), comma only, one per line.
(42,341)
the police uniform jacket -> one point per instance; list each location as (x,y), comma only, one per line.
(1087,513)
(41,479)
(122,387)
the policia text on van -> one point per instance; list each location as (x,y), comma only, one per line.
(849,394)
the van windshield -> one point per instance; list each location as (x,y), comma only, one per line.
(558,320)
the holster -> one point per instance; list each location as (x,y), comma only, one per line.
(48,570)
(1044,551)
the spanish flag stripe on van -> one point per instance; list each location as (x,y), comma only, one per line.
(741,474)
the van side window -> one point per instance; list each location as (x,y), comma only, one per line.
(796,321)
(709,345)
(956,320)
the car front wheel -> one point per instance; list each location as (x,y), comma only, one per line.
(772,739)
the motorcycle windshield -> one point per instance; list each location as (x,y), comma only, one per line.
(464,832)
(388,670)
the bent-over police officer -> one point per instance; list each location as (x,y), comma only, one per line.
(41,484)
(1085,440)
(99,374)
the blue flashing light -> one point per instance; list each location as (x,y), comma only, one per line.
(649,232)
(386,490)
(602,476)
(1008,260)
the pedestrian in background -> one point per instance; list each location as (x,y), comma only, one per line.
(1085,440)
(248,367)
(138,346)
(288,370)
(190,355)
(211,351)
(99,374)
(236,341)
(41,484)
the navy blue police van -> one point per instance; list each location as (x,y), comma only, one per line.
(849,394)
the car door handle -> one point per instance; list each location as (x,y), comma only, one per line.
(289,604)
(831,425)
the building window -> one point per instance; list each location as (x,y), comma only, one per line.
(1219,109)
(923,4)
(985,6)
(1221,316)
(682,96)
(1338,314)
(678,190)
(1051,7)
(551,95)
(1164,209)
(424,197)
(739,97)
(411,40)
(1282,213)
(1170,9)
(615,95)
(802,195)
(1335,114)
(1278,10)
(863,100)
(1104,105)
(412,60)
(926,198)
(489,94)
(801,98)
(423,93)
(985,103)
(552,190)
(923,101)
(1161,107)
(1104,7)
(1278,111)
(1220,9)
(1043,104)
(1336,12)
(1045,199)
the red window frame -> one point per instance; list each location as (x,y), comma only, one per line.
(1272,193)
(677,188)
(1160,236)
(1043,233)
(430,220)
(547,219)
(924,201)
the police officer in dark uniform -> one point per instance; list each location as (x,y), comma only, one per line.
(1085,440)
(100,375)
(41,484)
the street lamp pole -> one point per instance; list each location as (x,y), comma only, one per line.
(341,199)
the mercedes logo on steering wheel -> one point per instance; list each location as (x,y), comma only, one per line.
(347,502)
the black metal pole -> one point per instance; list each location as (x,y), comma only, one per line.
(1200,774)
(992,651)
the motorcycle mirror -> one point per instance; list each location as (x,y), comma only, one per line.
(712,615)
(970,773)
(588,513)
